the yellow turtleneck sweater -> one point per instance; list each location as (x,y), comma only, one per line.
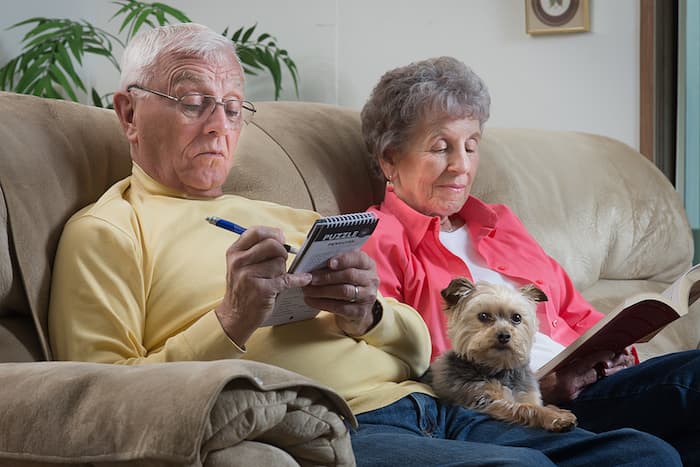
(138,274)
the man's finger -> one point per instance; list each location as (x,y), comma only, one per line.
(301,279)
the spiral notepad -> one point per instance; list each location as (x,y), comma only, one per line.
(328,237)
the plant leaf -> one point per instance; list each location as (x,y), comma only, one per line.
(26,21)
(42,26)
(140,19)
(29,79)
(43,40)
(125,7)
(64,60)
(292,68)
(160,16)
(249,71)
(48,89)
(127,20)
(236,34)
(249,57)
(174,12)
(7,74)
(57,75)
(264,53)
(96,99)
(276,71)
(248,33)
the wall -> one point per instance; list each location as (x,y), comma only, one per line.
(689,115)
(587,81)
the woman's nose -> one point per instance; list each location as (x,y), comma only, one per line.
(460,160)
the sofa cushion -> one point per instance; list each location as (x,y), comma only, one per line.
(597,206)
(56,157)
(12,298)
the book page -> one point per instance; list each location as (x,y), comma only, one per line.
(324,249)
(638,321)
(290,307)
(685,290)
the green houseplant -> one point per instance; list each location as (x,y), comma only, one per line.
(53,51)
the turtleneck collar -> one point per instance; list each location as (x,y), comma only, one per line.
(142,180)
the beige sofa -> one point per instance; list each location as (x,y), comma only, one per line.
(596,205)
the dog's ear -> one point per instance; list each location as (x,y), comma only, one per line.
(534,293)
(458,288)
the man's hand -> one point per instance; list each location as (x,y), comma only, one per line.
(347,287)
(255,273)
(567,383)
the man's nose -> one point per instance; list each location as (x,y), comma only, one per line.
(217,121)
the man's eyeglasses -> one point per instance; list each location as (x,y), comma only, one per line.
(195,106)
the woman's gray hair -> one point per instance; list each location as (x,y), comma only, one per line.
(141,56)
(420,93)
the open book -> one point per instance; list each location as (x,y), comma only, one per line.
(637,319)
(328,237)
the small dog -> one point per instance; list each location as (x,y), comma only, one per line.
(492,328)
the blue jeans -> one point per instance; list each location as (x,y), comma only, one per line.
(419,430)
(660,396)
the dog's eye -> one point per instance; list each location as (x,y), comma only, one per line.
(516,318)
(485,317)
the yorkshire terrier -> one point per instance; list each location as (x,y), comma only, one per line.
(492,328)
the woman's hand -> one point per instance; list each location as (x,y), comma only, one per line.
(567,383)
(620,361)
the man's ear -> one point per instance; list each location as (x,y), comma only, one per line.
(123,106)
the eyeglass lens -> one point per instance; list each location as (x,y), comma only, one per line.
(195,106)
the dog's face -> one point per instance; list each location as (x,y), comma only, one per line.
(492,324)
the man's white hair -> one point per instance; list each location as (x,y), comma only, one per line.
(140,59)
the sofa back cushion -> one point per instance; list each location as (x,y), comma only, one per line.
(56,157)
(596,205)
(305,155)
(19,341)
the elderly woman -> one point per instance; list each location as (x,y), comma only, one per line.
(422,126)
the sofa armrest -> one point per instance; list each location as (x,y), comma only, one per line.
(165,414)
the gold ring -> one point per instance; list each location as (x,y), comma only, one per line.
(356,295)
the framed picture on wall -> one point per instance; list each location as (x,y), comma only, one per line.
(556,16)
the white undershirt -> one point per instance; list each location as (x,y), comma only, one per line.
(459,244)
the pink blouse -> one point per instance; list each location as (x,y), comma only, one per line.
(413,266)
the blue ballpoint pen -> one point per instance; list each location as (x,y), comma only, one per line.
(235,228)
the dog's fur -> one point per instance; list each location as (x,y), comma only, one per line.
(492,328)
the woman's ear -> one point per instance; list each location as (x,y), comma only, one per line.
(387,165)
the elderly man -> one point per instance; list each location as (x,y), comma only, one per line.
(141,277)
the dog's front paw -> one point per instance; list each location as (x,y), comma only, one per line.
(560,419)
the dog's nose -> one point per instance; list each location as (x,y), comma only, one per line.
(503,337)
